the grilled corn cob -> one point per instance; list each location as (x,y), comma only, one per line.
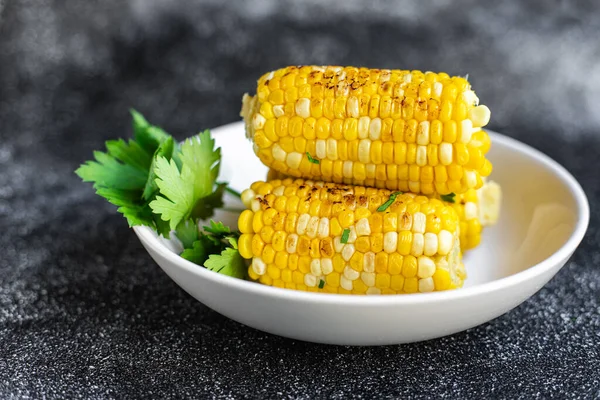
(476,209)
(337,238)
(401,130)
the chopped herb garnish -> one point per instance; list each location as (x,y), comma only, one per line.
(448,197)
(311,159)
(321,284)
(389,202)
(345,236)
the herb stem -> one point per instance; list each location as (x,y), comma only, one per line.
(232,210)
(233,192)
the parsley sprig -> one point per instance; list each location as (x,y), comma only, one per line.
(156,182)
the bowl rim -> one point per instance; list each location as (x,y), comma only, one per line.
(583,215)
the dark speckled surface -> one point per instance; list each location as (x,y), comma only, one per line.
(85,312)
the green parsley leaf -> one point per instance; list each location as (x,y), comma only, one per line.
(128,204)
(312,160)
(205,207)
(162,227)
(187,233)
(217,229)
(108,172)
(148,136)
(181,192)
(389,202)
(129,153)
(321,284)
(229,262)
(448,197)
(165,150)
(345,236)
(196,254)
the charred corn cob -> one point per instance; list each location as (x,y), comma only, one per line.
(338,238)
(476,209)
(400,130)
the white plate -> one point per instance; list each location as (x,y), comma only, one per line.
(543,219)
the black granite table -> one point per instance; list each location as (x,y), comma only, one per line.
(85,312)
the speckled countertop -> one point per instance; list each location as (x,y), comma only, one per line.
(85,312)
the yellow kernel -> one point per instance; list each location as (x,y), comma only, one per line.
(335,228)
(376,151)
(382,280)
(398,130)
(281,126)
(397,283)
(433,224)
(359,287)
(440,173)
(337,129)
(257,245)
(441,279)
(356,261)
(409,266)
(252,275)
(338,262)
(404,242)
(297,277)
(363,244)
(460,111)
(461,153)
(245,221)
(276,97)
(411,285)
(386,129)
(376,242)
(376,220)
(268,215)
(268,254)
(395,264)
(381,262)
(245,245)
(346,219)
(273,271)
(286,276)
(266,234)
(486,170)
(450,131)
(291,221)
(361,213)
(281,259)
(304,264)
(326,247)
(278,242)
(293,262)
(333,279)
(266,280)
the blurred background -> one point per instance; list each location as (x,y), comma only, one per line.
(74,282)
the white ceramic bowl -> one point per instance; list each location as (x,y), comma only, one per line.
(544,216)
